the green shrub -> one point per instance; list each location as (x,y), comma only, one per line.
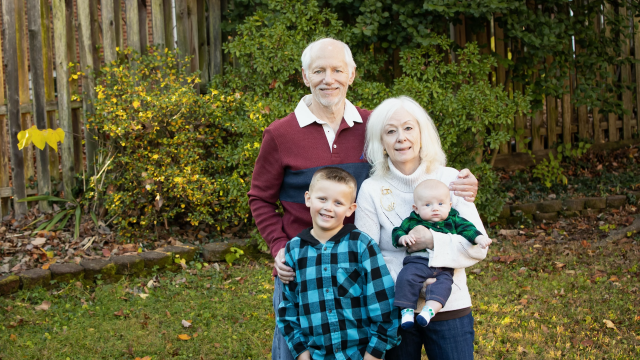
(177,155)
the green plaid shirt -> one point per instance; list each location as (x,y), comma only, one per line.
(453,224)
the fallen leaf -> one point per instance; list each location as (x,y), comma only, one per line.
(526,288)
(168,315)
(46,266)
(186,323)
(44,306)
(587,343)
(144,296)
(195,335)
(13,337)
(39,241)
(119,313)
(494,278)
(559,265)
(609,324)
(523,302)
(144,358)
(614,278)
(106,252)
(216,345)
(184,337)
(545,329)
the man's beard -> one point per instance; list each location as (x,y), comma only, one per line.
(328,102)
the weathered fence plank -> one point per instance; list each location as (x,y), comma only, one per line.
(10,41)
(133,25)
(567,110)
(187,31)
(23,76)
(87,49)
(536,131)
(109,30)
(4,147)
(49,90)
(157,22)
(203,50)
(142,23)
(215,38)
(636,42)
(64,96)
(39,101)
(76,113)
(625,78)
(169,41)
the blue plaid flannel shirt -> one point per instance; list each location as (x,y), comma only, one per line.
(341,301)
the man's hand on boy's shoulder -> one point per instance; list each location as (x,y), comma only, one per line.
(368,356)
(285,273)
(305,356)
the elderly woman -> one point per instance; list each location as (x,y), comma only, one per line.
(403,147)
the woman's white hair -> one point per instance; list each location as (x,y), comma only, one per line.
(431,152)
(308,53)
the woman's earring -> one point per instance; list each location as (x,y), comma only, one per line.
(384,151)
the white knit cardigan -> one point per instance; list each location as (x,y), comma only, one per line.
(384,201)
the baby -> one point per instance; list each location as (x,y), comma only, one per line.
(431,209)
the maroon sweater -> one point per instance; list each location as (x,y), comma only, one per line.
(288,158)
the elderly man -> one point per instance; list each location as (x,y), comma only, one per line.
(325,129)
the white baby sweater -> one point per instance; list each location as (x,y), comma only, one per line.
(383,202)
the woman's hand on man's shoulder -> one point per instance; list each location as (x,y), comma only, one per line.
(465,186)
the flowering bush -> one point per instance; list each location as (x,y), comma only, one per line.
(177,155)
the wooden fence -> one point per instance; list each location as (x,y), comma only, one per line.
(560,121)
(42,37)
(40,87)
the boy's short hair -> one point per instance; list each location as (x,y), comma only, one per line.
(335,174)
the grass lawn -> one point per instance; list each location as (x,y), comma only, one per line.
(535,297)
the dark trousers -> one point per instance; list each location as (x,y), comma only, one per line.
(414,273)
(442,340)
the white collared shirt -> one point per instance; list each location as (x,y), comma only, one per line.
(306,117)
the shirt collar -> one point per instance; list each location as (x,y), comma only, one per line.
(306,236)
(306,117)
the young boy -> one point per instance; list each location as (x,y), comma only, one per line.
(432,209)
(341,301)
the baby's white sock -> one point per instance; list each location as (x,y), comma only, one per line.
(425,316)
(407,318)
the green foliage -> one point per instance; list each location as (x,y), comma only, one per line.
(177,155)
(233,255)
(74,208)
(550,171)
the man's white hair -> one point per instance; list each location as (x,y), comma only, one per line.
(431,152)
(308,53)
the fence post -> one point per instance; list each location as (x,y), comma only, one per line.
(39,105)
(87,49)
(64,100)
(597,116)
(215,38)
(49,91)
(4,148)
(10,41)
